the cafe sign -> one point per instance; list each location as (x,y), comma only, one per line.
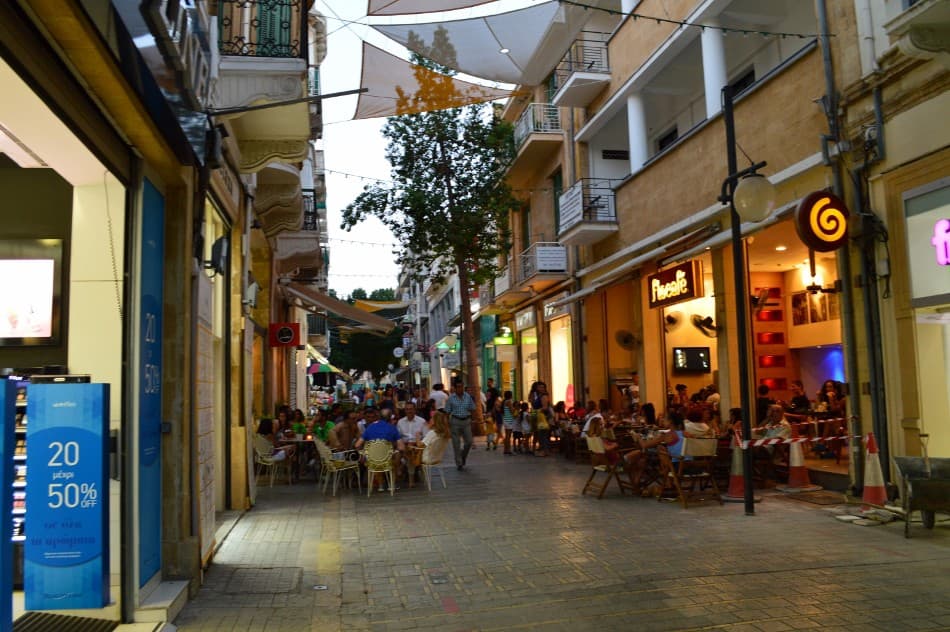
(674,285)
(822,221)
(525,319)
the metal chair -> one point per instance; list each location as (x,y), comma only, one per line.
(379,460)
(264,459)
(434,462)
(332,465)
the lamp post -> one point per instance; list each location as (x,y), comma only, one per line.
(751,194)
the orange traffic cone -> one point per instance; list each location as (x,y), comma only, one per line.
(736,493)
(874,492)
(798,480)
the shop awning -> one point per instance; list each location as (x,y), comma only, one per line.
(318,299)
(404,7)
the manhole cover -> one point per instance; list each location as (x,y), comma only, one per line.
(269,581)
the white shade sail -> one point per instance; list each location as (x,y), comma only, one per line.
(396,86)
(406,7)
(520,47)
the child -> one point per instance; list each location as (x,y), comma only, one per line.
(527,431)
(519,426)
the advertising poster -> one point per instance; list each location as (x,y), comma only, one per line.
(67,549)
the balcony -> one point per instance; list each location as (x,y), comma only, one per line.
(538,135)
(542,265)
(921,28)
(263,47)
(583,72)
(507,294)
(316,108)
(587,213)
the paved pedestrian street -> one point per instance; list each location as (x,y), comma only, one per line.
(512,545)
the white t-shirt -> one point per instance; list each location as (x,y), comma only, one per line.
(440,397)
(408,428)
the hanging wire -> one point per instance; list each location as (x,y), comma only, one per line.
(686,23)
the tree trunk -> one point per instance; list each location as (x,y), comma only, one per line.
(468,338)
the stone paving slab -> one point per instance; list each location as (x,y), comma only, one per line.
(512,545)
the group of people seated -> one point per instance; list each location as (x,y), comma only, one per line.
(415,439)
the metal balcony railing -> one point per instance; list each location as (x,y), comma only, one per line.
(262,28)
(537,118)
(589,200)
(313,81)
(586,54)
(311,220)
(543,258)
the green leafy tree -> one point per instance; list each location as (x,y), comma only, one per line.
(358,293)
(448,203)
(358,352)
(383,294)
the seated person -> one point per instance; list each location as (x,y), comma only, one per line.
(592,413)
(280,452)
(635,461)
(322,426)
(698,423)
(382,429)
(431,447)
(762,403)
(411,426)
(344,434)
(800,404)
(776,426)
(598,428)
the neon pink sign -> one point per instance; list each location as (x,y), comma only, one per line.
(941,241)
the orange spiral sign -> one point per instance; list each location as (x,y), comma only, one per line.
(822,221)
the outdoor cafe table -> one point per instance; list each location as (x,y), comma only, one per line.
(301,442)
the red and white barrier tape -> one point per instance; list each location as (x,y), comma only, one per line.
(778,440)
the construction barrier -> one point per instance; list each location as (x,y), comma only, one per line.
(874,492)
(798,480)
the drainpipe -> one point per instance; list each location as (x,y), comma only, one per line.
(844,259)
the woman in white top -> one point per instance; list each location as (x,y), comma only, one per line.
(435,439)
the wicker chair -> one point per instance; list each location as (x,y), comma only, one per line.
(264,459)
(379,460)
(331,467)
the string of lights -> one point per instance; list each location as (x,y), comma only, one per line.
(358,275)
(725,30)
(378,244)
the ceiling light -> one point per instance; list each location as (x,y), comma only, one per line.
(504,51)
(781,248)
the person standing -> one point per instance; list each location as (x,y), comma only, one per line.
(439,395)
(491,418)
(460,407)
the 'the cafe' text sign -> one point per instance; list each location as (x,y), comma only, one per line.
(673,285)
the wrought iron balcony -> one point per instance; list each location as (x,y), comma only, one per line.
(587,212)
(262,28)
(583,71)
(543,264)
(537,118)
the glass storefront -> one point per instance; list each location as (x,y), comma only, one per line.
(562,366)
(927,212)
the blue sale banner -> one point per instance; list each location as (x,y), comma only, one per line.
(66,554)
(7,449)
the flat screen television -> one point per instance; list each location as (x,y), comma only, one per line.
(31,292)
(691,360)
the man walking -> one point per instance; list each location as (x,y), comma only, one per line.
(459,406)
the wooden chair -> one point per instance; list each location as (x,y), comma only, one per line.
(264,459)
(688,477)
(333,468)
(599,463)
(379,460)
